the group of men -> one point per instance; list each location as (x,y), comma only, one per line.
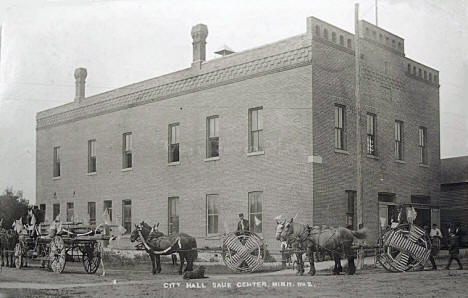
(454,235)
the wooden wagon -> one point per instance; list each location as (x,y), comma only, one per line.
(74,242)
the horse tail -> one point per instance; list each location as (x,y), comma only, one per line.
(360,234)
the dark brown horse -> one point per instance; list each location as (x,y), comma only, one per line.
(157,244)
(334,241)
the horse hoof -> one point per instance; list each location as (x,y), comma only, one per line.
(312,273)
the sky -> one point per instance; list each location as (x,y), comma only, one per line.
(122,42)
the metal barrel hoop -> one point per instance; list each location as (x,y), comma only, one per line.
(243,253)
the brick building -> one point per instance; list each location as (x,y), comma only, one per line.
(266,131)
(454,194)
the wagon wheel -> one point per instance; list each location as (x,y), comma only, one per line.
(18,255)
(404,248)
(91,257)
(57,254)
(243,253)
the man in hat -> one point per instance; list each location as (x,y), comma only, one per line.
(242,225)
(454,233)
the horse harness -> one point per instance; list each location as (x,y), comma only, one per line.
(310,232)
(148,248)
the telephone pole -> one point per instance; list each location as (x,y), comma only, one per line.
(376,14)
(357,58)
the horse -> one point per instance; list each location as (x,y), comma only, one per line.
(156,244)
(8,240)
(336,241)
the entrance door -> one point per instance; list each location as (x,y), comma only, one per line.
(423,217)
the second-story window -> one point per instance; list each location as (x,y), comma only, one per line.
(340,127)
(422,145)
(256,129)
(56,170)
(371,125)
(91,156)
(212,136)
(174,142)
(399,140)
(127,150)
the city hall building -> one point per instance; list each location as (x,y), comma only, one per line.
(267,131)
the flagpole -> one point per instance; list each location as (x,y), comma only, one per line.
(376,13)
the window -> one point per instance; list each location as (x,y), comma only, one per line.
(255,211)
(341,40)
(422,145)
(325,33)
(92,212)
(256,129)
(56,161)
(374,35)
(127,159)
(55,211)
(173,217)
(317,30)
(212,136)
(425,75)
(108,207)
(212,214)
(91,156)
(340,127)
(70,212)
(42,215)
(399,140)
(386,67)
(349,43)
(174,142)
(350,210)
(414,70)
(127,215)
(430,77)
(371,146)
(334,36)
(409,68)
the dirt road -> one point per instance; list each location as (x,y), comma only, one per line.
(34,282)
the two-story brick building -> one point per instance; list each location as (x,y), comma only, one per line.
(266,131)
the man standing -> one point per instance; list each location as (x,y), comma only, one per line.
(454,239)
(242,225)
(435,235)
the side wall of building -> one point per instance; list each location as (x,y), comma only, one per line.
(281,173)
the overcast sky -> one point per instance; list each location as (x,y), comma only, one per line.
(121,42)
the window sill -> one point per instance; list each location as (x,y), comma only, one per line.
(400,161)
(91,174)
(341,151)
(256,153)
(126,169)
(372,156)
(56,178)
(174,163)
(211,158)
(423,165)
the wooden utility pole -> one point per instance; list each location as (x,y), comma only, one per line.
(376,14)
(357,58)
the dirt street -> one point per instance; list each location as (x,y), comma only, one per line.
(36,282)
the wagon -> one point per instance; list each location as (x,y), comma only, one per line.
(68,245)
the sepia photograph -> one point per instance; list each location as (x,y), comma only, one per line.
(248,148)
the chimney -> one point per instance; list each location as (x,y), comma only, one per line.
(80,80)
(199,34)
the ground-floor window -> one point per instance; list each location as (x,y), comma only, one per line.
(70,212)
(55,211)
(173,216)
(212,213)
(108,207)
(92,212)
(255,211)
(351,209)
(127,215)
